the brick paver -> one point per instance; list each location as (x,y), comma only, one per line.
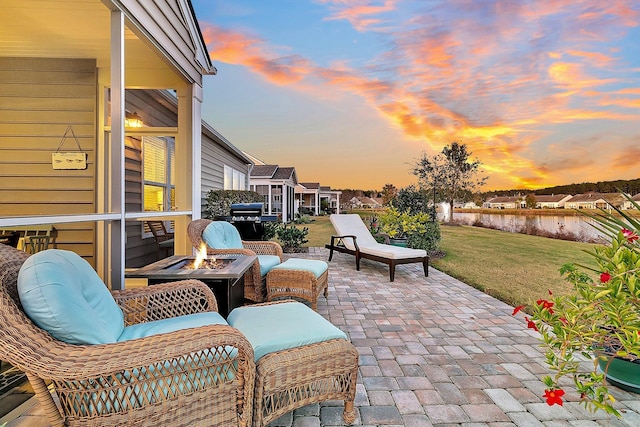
(433,352)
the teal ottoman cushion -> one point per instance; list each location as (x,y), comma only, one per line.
(163,326)
(267,262)
(275,327)
(62,294)
(314,266)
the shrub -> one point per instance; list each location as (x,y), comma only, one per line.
(419,229)
(219,202)
(291,237)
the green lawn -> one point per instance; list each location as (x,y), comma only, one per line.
(515,268)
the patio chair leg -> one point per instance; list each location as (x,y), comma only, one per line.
(425,265)
(349,413)
(392,271)
(330,253)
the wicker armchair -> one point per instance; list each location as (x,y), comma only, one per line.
(254,287)
(199,376)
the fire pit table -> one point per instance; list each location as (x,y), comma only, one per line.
(225,276)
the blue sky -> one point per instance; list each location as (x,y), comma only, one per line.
(352,92)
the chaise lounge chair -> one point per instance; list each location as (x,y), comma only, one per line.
(354,238)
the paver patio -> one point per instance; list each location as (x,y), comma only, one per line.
(433,352)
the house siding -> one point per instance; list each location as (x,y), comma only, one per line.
(39,98)
(214,157)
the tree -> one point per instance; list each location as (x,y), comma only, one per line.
(530,201)
(389,192)
(450,174)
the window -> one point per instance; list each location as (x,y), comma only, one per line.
(234,179)
(159,177)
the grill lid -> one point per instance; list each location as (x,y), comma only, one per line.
(253,209)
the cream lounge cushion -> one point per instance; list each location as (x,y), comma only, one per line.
(352,224)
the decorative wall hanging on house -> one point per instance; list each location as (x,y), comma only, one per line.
(70,159)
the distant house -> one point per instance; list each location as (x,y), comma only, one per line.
(553,201)
(505,202)
(308,198)
(277,185)
(595,201)
(331,197)
(364,203)
(628,205)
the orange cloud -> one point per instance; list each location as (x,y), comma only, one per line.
(629,157)
(358,12)
(595,58)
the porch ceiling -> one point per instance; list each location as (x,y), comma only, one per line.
(78,29)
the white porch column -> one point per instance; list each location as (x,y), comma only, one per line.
(115,195)
(316,196)
(338,203)
(284,191)
(188,163)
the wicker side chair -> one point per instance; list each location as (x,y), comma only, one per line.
(200,376)
(254,285)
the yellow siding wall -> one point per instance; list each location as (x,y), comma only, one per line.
(39,98)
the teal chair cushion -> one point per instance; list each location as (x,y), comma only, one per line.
(276,327)
(316,267)
(62,294)
(267,262)
(222,235)
(163,326)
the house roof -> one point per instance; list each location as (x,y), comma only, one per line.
(311,185)
(503,199)
(274,172)
(546,198)
(264,171)
(284,173)
(592,197)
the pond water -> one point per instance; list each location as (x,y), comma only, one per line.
(577,225)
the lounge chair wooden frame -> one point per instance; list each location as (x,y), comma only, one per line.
(338,246)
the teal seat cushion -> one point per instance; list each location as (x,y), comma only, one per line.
(276,327)
(314,266)
(163,326)
(267,262)
(222,235)
(62,294)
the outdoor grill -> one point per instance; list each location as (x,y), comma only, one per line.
(248,219)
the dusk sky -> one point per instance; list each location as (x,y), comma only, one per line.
(351,92)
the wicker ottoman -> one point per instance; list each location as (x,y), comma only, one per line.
(301,358)
(298,278)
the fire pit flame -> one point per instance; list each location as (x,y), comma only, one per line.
(202,262)
(202,255)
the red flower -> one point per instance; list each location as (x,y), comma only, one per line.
(517,309)
(545,304)
(554,397)
(631,236)
(530,324)
(550,293)
(605,277)
(566,322)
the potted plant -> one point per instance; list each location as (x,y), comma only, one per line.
(392,224)
(592,334)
